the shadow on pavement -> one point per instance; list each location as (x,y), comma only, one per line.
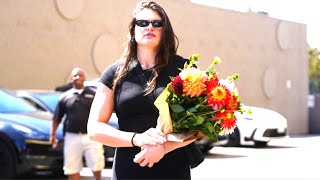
(222,156)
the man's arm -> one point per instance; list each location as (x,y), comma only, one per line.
(54,127)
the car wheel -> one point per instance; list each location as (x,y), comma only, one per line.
(59,173)
(205,149)
(109,155)
(260,143)
(233,139)
(7,161)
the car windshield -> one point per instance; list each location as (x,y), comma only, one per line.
(50,99)
(12,104)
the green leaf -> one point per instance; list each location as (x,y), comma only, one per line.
(200,120)
(181,101)
(210,127)
(177,108)
(212,136)
(192,109)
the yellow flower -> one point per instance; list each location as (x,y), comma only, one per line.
(193,81)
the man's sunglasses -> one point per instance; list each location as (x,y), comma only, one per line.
(145,23)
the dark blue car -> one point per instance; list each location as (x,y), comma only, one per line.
(43,100)
(47,100)
(24,138)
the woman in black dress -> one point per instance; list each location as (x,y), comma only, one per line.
(129,87)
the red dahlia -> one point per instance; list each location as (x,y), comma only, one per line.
(219,97)
(210,84)
(233,104)
(228,121)
(177,85)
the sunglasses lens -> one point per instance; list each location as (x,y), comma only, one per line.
(145,23)
(157,23)
(142,23)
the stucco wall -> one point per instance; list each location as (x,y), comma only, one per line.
(41,41)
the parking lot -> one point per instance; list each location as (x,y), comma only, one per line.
(293,158)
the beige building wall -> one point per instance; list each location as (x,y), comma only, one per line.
(41,41)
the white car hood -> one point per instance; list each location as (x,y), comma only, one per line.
(263,117)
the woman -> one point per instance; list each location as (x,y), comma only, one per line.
(130,87)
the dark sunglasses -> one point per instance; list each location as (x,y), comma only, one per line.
(145,23)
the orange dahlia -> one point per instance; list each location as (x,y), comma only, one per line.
(193,81)
(219,97)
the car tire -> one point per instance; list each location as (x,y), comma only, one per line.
(233,139)
(109,153)
(7,161)
(260,143)
(59,173)
(205,149)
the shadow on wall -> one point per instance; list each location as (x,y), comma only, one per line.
(314,113)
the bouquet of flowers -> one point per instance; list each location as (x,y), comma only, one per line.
(198,102)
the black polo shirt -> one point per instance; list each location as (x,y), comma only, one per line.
(75,108)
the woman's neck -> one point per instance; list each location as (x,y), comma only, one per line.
(147,58)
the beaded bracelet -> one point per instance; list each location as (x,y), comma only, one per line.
(134,134)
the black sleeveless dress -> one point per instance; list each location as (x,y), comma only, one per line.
(137,113)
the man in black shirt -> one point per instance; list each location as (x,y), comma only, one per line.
(74,107)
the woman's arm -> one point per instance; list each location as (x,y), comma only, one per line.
(100,113)
(149,155)
(171,145)
(99,130)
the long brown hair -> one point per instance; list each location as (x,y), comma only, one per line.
(168,46)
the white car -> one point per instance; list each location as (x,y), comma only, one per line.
(257,128)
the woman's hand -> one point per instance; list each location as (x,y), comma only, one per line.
(150,155)
(150,137)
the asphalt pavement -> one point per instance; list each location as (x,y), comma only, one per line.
(294,158)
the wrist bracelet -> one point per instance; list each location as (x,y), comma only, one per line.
(134,134)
